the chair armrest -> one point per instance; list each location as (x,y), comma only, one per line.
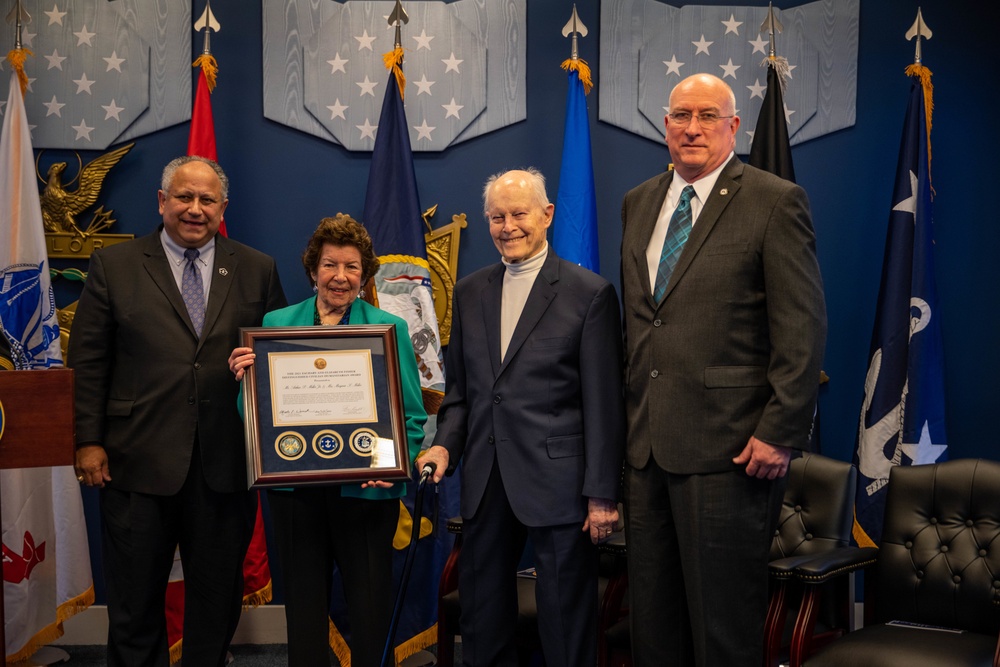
(783,569)
(823,567)
(455,525)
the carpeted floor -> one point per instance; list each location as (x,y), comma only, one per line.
(246,655)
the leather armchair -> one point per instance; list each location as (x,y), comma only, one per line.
(931,586)
(816,516)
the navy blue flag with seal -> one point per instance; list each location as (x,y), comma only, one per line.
(902,416)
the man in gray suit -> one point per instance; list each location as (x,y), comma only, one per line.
(156,421)
(533,408)
(725,325)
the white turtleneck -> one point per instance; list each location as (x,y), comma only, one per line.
(517,281)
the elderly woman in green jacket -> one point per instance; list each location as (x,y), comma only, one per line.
(351,526)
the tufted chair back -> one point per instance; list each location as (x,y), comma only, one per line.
(817,511)
(939,559)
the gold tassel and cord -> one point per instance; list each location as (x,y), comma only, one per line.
(17,58)
(580,66)
(393,61)
(211,68)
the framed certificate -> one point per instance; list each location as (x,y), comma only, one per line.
(324,405)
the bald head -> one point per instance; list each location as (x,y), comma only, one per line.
(519,213)
(704,139)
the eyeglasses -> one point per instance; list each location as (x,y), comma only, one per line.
(683,118)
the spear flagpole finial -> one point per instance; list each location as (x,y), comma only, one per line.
(18,15)
(397,18)
(208,24)
(771,26)
(918,29)
(575,28)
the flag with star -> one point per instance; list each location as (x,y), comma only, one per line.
(403,287)
(46,560)
(574,228)
(902,415)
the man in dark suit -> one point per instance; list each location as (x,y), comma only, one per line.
(533,407)
(156,421)
(724,339)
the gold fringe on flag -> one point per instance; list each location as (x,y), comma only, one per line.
(780,65)
(580,66)
(393,61)
(208,65)
(924,75)
(17,58)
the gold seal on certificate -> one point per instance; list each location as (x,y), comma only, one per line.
(363,441)
(320,363)
(290,445)
(328,444)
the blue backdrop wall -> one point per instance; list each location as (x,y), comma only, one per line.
(284,181)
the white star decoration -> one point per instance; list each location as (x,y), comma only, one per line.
(424,131)
(702,46)
(55,16)
(367,87)
(673,65)
(757,90)
(114,62)
(732,25)
(364,41)
(54,107)
(83,84)
(759,44)
(337,109)
(452,109)
(82,130)
(750,134)
(112,110)
(337,64)
(452,63)
(367,130)
(55,60)
(423,40)
(84,37)
(424,86)
(729,69)
(925,451)
(788,115)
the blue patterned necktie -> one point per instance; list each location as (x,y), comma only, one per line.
(192,291)
(673,244)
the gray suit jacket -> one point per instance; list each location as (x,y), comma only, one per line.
(734,348)
(146,386)
(551,413)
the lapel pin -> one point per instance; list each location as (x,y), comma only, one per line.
(223,271)
(724,191)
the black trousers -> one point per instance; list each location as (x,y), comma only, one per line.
(139,535)
(316,528)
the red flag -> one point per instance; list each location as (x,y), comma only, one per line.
(256,571)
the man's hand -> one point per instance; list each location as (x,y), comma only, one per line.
(437,455)
(240,360)
(764,461)
(92,465)
(602,518)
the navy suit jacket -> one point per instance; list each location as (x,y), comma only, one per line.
(551,412)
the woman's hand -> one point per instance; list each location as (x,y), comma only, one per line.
(240,360)
(373,484)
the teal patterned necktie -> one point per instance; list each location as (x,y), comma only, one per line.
(673,244)
(192,290)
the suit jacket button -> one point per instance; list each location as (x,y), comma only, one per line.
(657,322)
(496,399)
(190,400)
(654,373)
(197,366)
(491,440)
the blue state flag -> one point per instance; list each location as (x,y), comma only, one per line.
(574,228)
(902,416)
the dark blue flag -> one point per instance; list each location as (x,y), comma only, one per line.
(574,228)
(902,415)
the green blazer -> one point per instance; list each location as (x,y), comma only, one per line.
(301,314)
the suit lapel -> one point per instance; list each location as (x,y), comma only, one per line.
(226,261)
(725,189)
(541,295)
(156,265)
(651,203)
(491,315)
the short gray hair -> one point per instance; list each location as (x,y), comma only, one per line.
(534,180)
(168,172)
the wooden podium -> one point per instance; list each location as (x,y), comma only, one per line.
(38,426)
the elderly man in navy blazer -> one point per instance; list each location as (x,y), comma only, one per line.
(156,421)
(724,325)
(533,408)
